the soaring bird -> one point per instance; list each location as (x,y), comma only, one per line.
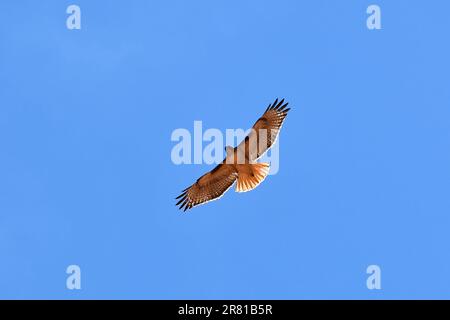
(240,162)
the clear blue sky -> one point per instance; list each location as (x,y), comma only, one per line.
(86,176)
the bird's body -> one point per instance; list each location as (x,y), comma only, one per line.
(240,162)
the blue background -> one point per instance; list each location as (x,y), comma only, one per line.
(86,176)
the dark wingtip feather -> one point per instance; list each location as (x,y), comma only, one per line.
(283,106)
(279,104)
(274,104)
(181,200)
(182,194)
(184,203)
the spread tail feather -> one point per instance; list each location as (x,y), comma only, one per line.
(251,178)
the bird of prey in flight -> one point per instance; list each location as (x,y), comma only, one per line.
(240,162)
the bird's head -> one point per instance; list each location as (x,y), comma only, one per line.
(229,150)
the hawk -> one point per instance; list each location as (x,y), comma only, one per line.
(240,163)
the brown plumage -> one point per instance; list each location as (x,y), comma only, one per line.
(240,163)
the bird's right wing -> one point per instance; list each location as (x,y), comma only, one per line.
(210,186)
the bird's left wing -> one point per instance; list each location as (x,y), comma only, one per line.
(210,186)
(265,131)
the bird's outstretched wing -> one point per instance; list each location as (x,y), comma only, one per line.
(210,186)
(265,131)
